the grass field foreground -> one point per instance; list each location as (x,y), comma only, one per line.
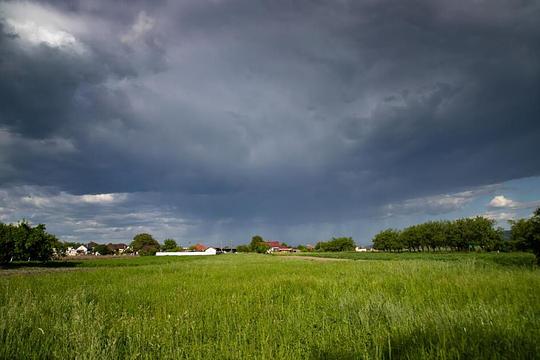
(263,307)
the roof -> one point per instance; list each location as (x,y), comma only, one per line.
(200,247)
(273,243)
(116,246)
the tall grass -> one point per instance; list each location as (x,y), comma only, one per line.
(263,307)
(509,259)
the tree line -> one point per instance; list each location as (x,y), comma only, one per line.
(464,234)
(457,235)
(24,242)
(336,244)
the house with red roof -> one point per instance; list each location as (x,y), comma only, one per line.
(276,246)
(273,244)
(199,247)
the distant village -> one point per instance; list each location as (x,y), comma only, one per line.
(95,249)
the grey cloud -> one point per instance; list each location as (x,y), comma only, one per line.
(439,204)
(277,113)
(92,217)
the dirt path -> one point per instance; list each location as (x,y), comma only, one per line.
(314,258)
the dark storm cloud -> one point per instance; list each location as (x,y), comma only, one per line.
(279,112)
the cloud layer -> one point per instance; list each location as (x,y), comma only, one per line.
(292,118)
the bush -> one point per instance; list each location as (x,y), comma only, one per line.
(302,248)
(243,248)
(261,248)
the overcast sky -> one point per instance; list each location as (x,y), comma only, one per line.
(212,121)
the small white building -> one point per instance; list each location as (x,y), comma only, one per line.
(360,249)
(208,251)
(81,250)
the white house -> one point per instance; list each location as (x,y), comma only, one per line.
(359,249)
(208,251)
(81,250)
(71,251)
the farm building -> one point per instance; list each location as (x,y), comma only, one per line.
(207,251)
(276,246)
(117,248)
(81,250)
(200,247)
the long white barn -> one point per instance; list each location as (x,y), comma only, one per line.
(209,251)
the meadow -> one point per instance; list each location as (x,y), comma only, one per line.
(249,306)
(508,259)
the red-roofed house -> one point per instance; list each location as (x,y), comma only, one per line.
(275,246)
(200,247)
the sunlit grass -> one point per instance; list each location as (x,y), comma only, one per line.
(508,259)
(262,307)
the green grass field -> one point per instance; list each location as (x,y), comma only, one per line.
(507,259)
(273,307)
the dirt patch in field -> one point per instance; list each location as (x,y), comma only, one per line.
(314,258)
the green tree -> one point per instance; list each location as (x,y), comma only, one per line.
(534,239)
(103,249)
(169,245)
(243,248)
(336,244)
(24,242)
(261,248)
(388,239)
(432,235)
(478,232)
(144,244)
(411,238)
(20,236)
(526,233)
(520,234)
(7,242)
(455,235)
(40,244)
(256,242)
